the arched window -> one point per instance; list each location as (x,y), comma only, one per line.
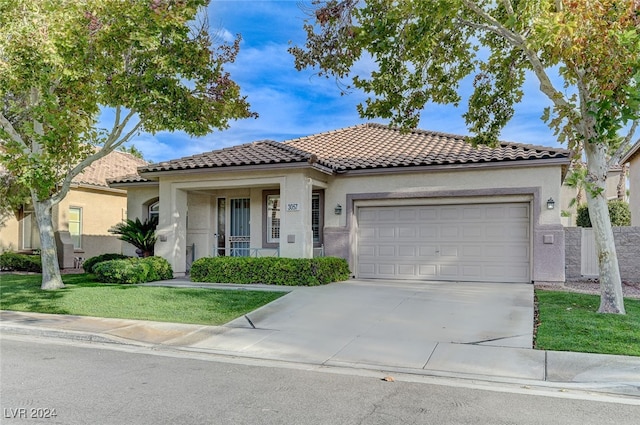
(154,210)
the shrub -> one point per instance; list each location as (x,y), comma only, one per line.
(619,213)
(12,261)
(133,270)
(90,263)
(270,270)
(141,234)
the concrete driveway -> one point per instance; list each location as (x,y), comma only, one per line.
(383,322)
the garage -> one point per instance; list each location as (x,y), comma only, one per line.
(474,242)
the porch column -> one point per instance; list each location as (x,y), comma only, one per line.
(172,228)
(296,236)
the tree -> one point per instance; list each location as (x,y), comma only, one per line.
(152,63)
(141,234)
(132,150)
(425,49)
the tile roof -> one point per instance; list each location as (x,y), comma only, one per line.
(113,165)
(364,146)
(255,153)
(370,145)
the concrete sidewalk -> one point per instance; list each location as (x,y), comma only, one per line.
(384,336)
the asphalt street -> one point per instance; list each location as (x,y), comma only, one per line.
(105,384)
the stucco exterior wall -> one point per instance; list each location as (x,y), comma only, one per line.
(101,210)
(10,234)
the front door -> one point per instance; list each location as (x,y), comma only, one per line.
(233,232)
(239,230)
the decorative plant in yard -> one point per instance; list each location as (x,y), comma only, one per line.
(141,234)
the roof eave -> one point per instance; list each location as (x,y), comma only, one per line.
(635,150)
(235,168)
(468,165)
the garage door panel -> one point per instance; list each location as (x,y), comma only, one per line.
(476,242)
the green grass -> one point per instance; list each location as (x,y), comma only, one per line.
(84,296)
(569,322)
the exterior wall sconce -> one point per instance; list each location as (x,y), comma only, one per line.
(338,209)
(551,204)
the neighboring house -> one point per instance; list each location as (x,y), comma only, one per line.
(633,159)
(568,194)
(417,205)
(82,220)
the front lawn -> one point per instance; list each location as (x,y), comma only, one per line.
(569,322)
(84,296)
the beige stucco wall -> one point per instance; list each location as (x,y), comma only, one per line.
(101,209)
(10,234)
(547,178)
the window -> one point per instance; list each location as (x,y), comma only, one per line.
(154,210)
(75,226)
(271,220)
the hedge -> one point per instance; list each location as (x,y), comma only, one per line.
(12,261)
(270,270)
(90,263)
(133,270)
(619,214)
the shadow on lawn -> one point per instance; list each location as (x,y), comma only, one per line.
(23,293)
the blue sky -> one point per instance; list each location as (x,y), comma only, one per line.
(291,104)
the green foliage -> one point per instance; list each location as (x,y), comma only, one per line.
(270,270)
(140,234)
(619,214)
(90,263)
(133,270)
(12,261)
(152,64)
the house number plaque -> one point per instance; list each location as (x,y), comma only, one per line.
(293,207)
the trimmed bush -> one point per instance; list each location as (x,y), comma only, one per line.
(619,213)
(12,261)
(90,263)
(133,270)
(270,270)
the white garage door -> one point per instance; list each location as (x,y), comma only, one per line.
(477,242)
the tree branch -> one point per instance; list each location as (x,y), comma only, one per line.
(519,41)
(626,143)
(113,142)
(11,131)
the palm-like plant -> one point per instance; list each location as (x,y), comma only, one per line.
(140,234)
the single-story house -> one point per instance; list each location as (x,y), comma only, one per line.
(632,158)
(83,219)
(419,205)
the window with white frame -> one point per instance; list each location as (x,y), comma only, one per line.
(75,226)
(154,211)
(271,219)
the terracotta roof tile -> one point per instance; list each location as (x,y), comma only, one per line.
(365,146)
(255,153)
(378,146)
(111,166)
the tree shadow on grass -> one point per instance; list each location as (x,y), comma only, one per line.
(23,293)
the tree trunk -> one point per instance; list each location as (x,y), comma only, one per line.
(611,300)
(51,278)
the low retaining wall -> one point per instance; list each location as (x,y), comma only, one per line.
(627,240)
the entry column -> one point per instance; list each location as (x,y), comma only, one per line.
(296,235)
